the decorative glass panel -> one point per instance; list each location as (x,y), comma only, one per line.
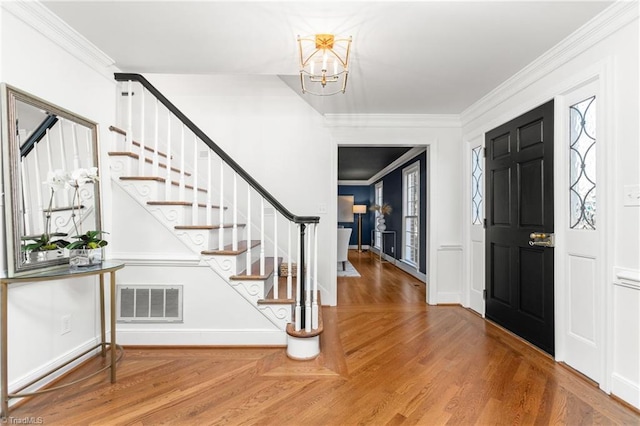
(476,185)
(582,187)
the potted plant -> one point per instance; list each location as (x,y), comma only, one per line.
(383,210)
(87,250)
(44,247)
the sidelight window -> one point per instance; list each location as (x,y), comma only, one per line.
(476,186)
(582,186)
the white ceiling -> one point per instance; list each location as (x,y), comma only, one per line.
(419,57)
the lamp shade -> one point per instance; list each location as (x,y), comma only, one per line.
(359,208)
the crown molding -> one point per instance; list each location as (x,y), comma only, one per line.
(393,120)
(612,19)
(41,19)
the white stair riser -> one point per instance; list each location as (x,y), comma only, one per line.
(124,165)
(231,265)
(183,215)
(200,240)
(151,190)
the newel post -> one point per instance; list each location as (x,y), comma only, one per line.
(303,284)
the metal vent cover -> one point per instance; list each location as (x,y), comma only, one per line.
(149,303)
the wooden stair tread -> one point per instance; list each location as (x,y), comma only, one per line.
(136,143)
(208,227)
(229,251)
(180,203)
(255,271)
(282,293)
(147,160)
(158,179)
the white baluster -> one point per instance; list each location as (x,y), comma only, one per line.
(195,207)
(234,231)
(275,254)
(307,271)
(26,219)
(314,307)
(39,208)
(167,184)
(181,195)
(297,310)
(209,187)
(74,146)
(63,156)
(221,211)
(142,157)
(262,257)
(129,135)
(289,254)
(89,147)
(49,157)
(156,143)
(248,229)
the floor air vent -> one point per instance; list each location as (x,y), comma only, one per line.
(149,303)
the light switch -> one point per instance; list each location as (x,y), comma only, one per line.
(322,208)
(632,195)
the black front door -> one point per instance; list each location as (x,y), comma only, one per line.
(519,198)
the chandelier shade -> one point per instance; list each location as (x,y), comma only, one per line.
(324,64)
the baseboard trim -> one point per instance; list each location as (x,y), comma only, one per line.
(626,390)
(226,338)
(54,363)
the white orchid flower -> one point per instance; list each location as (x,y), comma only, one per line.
(81,176)
(56,179)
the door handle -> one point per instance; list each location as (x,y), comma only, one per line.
(542,239)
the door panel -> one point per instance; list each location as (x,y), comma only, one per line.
(519,277)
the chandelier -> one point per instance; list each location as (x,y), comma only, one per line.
(324,64)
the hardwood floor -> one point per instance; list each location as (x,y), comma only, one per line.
(388,358)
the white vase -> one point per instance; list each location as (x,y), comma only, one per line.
(83,258)
(381,226)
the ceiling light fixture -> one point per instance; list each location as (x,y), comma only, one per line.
(324,64)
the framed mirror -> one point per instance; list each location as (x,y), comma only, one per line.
(47,154)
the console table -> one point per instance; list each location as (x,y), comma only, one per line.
(59,274)
(382,234)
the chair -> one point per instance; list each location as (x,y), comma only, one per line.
(344,235)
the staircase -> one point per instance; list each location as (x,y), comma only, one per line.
(216,209)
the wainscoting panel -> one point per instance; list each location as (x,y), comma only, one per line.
(449,274)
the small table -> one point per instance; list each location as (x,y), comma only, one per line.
(49,275)
(382,239)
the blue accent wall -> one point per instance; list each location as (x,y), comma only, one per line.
(361,195)
(392,194)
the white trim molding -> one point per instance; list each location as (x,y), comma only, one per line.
(43,20)
(629,278)
(201,337)
(616,16)
(393,120)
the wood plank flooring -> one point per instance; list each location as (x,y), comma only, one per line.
(388,359)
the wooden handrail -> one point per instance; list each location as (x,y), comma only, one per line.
(215,148)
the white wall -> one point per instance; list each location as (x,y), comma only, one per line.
(442,135)
(34,63)
(608,50)
(272,134)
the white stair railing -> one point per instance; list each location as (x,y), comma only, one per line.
(247,217)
